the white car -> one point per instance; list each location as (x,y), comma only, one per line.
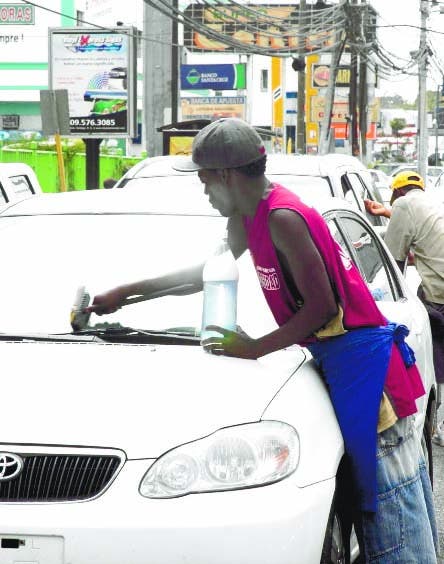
(314,176)
(17,181)
(126,443)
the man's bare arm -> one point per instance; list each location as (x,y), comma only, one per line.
(302,259)
(185,281)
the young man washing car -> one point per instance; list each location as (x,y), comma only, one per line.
(369,369)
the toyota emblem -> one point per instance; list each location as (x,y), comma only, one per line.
(10,466)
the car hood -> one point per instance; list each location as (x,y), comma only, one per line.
(143,399)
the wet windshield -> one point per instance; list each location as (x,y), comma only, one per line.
(48,257)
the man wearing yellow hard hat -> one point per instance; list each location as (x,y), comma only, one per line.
(417,225)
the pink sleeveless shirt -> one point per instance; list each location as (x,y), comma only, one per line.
(358,305)
(402,384)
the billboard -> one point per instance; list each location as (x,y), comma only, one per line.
(268,26)
(213,77)
(98,68)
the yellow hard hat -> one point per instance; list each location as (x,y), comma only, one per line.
(407,178)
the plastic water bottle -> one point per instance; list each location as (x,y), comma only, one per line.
(220,278)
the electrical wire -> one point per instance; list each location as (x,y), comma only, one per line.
(100,27)
(323,26)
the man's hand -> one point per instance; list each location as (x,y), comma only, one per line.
(109,302)
(376,208)
(231,343)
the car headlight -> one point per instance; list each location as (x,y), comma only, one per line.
(232,458)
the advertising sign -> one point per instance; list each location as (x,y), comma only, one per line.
(213,107)
(98,68)
(321,75)
(16,14)
(273,26)
(214,77)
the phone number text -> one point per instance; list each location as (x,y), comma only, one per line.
(91,122)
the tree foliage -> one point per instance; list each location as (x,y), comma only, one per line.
(397,124)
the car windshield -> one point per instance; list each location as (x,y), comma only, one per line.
(186,191)
(306,187)
(183,194)
(48,258)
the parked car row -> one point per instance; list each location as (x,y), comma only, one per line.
(128,434)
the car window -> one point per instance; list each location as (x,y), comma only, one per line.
(21,185)
(370,258)
(349,194)
(337,235)
(363,193)
(57,256)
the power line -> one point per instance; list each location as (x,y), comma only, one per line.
(99,27)
(417,27)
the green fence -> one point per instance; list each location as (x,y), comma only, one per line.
(44,164)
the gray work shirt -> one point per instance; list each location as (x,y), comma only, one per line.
(417,224)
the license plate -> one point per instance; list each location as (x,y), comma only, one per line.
(31,549)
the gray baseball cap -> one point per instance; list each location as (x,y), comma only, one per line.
(225,143)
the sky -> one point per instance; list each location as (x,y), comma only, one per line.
(400,41)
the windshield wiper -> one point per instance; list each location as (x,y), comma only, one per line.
(115,332)
(50,337)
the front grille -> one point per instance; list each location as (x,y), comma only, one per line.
(59,478)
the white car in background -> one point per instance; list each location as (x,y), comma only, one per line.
(17,182)
(126,443)
(314,176)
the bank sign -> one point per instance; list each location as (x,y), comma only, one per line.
(213,77)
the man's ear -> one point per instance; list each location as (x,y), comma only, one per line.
(224,174)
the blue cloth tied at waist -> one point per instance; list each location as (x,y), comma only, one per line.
(354,367)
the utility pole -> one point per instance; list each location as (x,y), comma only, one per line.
(326,132)
(438,90)
(300,129)
(422,88)
(362,93)
(174,65)
(353,94)
(157,67)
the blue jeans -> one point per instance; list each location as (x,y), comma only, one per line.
(403,530)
